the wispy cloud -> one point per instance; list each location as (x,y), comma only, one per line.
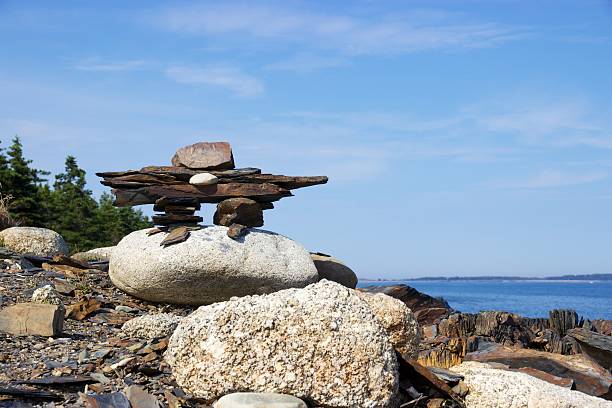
(306,62)
(351,35)
(99,65)
(560,123)
(552,179)
(241,84)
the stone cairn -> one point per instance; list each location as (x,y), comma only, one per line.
(203,173)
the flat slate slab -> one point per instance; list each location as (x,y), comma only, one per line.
(38,319)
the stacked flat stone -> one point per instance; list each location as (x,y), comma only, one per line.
(203,173)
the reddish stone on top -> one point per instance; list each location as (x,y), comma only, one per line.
(205,156)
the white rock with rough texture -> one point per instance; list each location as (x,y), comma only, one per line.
(334,270)
(209,267)
(151,326)
(494,388)
(322,344)
(203,179)
(259,400)
(34,241)
(47,294)
(96,254)
(398,320)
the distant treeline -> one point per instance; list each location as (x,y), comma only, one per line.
(589,277)
(66,205)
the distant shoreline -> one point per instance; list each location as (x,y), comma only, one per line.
(590,277)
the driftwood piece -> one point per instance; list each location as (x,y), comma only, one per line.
(205,194)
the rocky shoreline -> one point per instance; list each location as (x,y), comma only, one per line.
(103,349)
(188,315)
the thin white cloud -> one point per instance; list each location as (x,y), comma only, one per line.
(307,62)
(231,78)
(554,178)
(347,34)
(552,123)
(98,65)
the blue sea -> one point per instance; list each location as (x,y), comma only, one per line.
(590,299)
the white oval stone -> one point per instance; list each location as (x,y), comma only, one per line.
(203,179)
(259,400)
(209,266)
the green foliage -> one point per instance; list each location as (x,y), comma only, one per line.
(23,183)
(67,207)
(117,222)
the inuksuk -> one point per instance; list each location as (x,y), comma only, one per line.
(203,173)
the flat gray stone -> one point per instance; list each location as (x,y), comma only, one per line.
(40,319)
(259,400)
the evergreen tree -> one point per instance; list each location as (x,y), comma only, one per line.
(4,172)
(115,223)
(67,207)
(71,208)
(23,184)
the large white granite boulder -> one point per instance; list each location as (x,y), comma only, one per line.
(495,388)
(33,241)
(209,266)
(322,344)
(398,320)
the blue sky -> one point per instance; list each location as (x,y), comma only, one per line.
(460,137)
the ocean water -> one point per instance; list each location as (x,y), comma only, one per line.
(590,299)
